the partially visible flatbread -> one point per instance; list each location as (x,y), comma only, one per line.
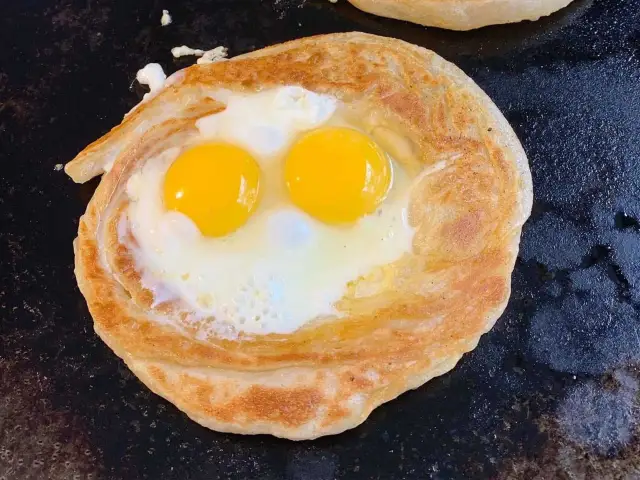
(461,14)
(416,317)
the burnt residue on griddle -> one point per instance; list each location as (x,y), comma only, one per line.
(38,439)
(592,434)
(602,418)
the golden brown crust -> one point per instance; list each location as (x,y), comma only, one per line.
(407,322)
(461,14)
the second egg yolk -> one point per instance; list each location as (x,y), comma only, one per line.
(216,185)
(337,174)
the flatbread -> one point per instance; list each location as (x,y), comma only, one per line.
(461,14)
(405,323)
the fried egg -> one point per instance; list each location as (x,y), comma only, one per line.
(263,220)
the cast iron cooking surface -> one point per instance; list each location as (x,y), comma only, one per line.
(550,392)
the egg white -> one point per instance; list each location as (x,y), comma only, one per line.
(281,269)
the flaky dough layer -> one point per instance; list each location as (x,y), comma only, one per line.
(461,14)
(409,322)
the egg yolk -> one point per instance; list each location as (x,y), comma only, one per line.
(337,174)
(216,185)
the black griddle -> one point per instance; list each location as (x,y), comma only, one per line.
(550,392)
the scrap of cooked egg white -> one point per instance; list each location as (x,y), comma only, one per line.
(263,218)
(153,76)
(206,56)
(166,18)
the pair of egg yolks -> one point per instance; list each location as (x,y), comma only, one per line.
(334,174)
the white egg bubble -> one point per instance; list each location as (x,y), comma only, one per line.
(289,229)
